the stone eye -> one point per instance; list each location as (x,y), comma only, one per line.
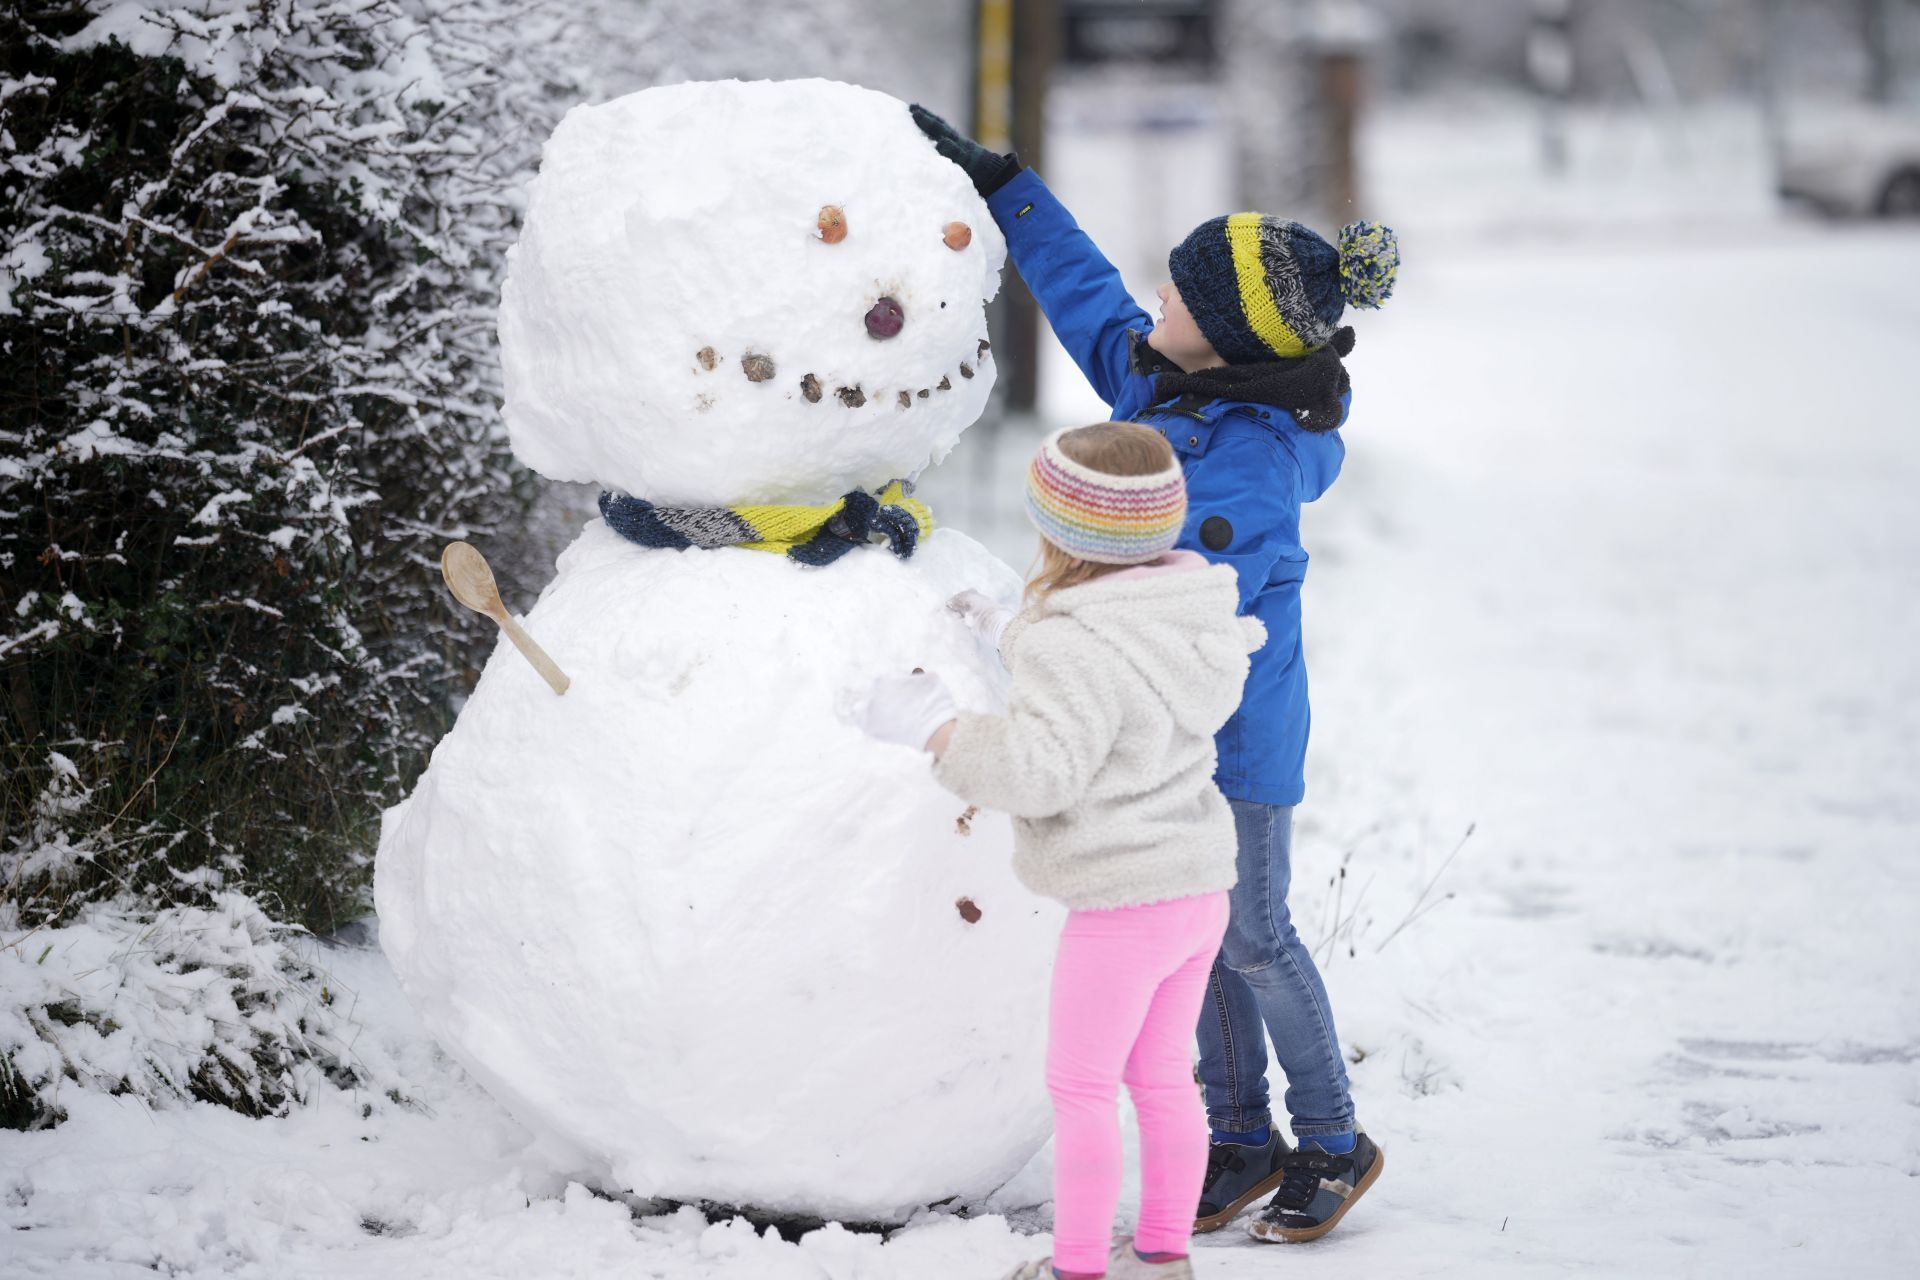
(832,223)
(958,235)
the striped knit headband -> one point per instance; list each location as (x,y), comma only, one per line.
(1107,519)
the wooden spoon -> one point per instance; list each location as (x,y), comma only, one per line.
(471,581)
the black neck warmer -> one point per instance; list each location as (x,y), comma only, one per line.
(1309,387)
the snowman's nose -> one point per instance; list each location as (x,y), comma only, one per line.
(885,318)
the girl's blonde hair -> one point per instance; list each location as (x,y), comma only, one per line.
(1117,449)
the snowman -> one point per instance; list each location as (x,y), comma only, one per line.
(684,919)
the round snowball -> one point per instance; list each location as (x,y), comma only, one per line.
(691,219)
(693,922)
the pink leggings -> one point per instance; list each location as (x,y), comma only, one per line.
(1127,988)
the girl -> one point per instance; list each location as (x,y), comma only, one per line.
(1126,660)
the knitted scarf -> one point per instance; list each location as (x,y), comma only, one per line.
(1309,387)
(813,535)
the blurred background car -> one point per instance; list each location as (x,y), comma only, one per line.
(1862,162)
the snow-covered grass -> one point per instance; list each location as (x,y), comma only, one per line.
(1621,572)
(214,1003)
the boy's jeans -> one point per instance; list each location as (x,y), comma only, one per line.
(1264,984)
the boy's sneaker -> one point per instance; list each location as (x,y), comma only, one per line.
(1316,1190)
(1237,1175)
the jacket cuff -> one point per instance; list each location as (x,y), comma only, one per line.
(1021,189)
(965,767)
(1010,168)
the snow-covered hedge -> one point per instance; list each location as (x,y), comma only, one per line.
(249,256)
(213,1003)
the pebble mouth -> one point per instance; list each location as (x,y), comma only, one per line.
(757,366)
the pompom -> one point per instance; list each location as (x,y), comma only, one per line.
(1369,263)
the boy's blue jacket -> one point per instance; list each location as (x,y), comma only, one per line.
(1249,464)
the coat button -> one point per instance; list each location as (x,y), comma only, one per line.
(1193,441)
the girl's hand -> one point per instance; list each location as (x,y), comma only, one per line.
(910,710)
(983,616)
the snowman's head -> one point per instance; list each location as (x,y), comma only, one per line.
(730,293)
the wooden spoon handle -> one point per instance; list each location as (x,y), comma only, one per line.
(527,645)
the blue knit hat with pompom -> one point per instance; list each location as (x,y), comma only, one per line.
(1261,287)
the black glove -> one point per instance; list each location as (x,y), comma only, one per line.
(988,170)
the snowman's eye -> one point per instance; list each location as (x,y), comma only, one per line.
(832,223)
(958,235)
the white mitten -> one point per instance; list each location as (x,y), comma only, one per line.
(983,616)
(907,709)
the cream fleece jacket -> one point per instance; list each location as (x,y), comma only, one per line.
(1105,757)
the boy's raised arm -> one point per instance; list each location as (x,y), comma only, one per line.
(1081,292)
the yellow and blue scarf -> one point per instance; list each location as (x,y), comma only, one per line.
(812,535)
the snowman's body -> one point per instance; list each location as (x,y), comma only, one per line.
(686,917)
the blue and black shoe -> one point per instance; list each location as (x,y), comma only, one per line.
(1237,1175)
(1316,1190)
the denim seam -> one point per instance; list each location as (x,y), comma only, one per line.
(1271,942)
(1327,1042)
(1238,1111)
(1272,939)
(1226,1036)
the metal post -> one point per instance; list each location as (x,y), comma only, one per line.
(1550,69)
(1035,42)
(1773,123)
(1014,50)
(992,123)
(1342,87)
(1876,38)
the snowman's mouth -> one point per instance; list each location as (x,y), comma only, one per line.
(760,367)
(856,396)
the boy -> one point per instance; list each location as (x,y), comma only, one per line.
(1243,376)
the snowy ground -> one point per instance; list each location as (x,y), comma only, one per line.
(1628,578)
(1624,570)
(1630,582)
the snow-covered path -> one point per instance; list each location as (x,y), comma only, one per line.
(1625,571)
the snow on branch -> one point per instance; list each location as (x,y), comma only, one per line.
(250,362)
